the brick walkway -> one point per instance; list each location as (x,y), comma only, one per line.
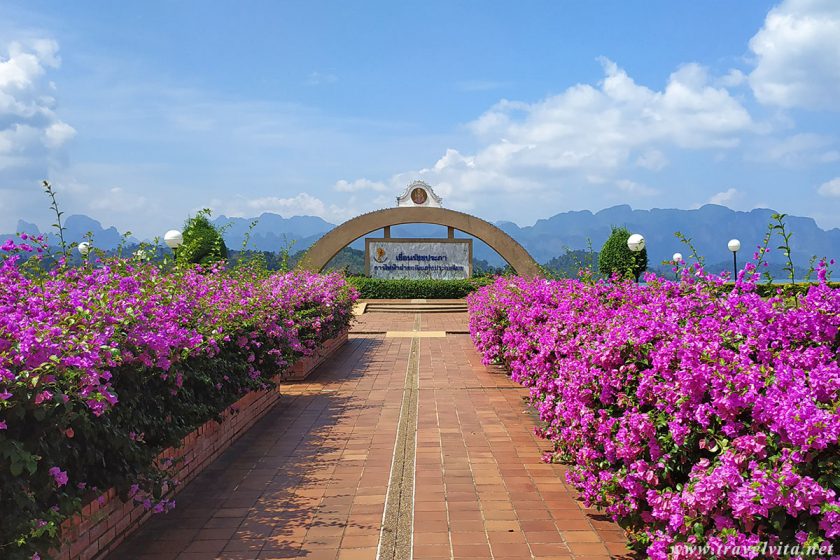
(311,479)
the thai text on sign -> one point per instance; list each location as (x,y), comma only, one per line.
(414,259)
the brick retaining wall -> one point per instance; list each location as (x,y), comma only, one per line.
(106,522)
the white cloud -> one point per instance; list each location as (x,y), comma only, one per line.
(726,197)
(359,185)
(320,79)
(57,134)
(798,55)
(830,188)
(797,150)
(15,139)
(30,130)
(303,204)
(652,159)
(632,187)
(584,136)
(588,126)
(733,78)
(119,200)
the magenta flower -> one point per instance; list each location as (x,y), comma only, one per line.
(59,476)
(69,336)
(688,413)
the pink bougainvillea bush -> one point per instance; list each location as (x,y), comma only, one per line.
(693,415)
(103,366)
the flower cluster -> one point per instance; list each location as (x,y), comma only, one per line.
(691,414)
(103,366)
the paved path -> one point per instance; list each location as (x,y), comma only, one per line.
(409,423)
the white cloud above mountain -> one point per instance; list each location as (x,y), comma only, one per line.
(830,188)
(797,150)
(633,134)
(727,197)
(28,121)
(797,55)
(588,134)
(32,136)
(302,204)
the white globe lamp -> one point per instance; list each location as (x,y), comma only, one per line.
(636,242)
(734,245)
(677,258)
(173,239)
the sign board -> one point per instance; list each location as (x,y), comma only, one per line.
(417,259)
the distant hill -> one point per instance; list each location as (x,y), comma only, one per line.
(273,232)
(709,227)
(77,228)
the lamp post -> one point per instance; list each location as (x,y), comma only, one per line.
(635,243)
(734,245)
(84,249)
(173,239)
(677,258)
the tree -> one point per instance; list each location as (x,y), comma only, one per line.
(616,257)
(203,243)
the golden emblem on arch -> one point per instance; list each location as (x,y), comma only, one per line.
(419,195)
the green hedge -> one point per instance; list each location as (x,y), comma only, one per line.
(375,288)
(788,290)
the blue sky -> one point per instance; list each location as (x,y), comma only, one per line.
(143,112)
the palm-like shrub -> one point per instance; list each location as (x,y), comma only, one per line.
(617,258)
(203,243)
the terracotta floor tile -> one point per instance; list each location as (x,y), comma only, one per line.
(242,545)
(550,549)
(357,554)
(471,551)
(588,548)
(495,537)
(431,550)
(208,547)
(360,541)
(465,525)
(321,554)
(310,479)
(515,550)
(468,538)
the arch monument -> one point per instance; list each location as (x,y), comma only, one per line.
(416,212)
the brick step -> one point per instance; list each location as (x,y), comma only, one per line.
(415,308)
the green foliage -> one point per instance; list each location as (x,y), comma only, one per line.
(286,254)
(688,243)
(572,264)
(762,251)
(203,243)
(779,226)
(783,290)
(483,268)
(153,332)
(348,260)
(58,213)
(617,258)
(376,288)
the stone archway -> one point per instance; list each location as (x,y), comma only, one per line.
(317,257)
